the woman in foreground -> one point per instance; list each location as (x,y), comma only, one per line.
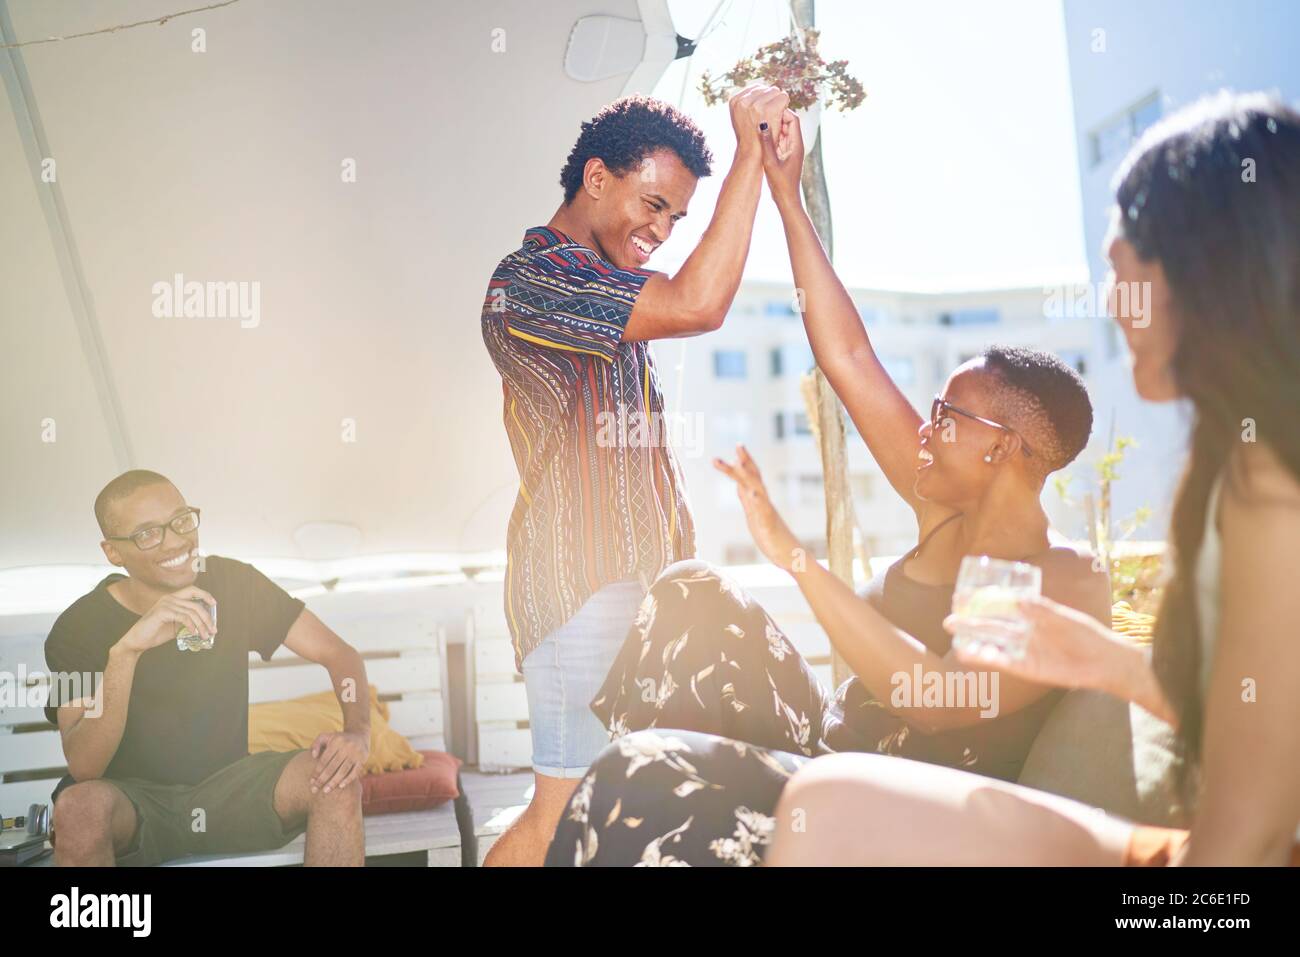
(1207,213)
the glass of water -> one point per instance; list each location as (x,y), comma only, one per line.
(187,640)
(992,589)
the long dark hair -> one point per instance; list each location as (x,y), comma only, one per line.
(1213,194)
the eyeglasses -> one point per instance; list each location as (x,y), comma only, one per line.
(941,406)
(152,536)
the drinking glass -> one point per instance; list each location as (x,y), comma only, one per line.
(992,589)
(187,640)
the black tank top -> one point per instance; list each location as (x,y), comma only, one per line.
(993,746)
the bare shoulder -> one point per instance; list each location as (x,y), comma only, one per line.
(1259,523)
(1072,576)
(1259,510)
(1259,480)
(1068,560)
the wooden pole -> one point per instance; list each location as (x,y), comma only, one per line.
(824,409)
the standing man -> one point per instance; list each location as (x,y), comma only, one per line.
(158,762)
(568,319)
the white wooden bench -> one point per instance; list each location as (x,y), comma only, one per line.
(402,638)
(403,635)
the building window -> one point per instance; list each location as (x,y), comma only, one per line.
(969,317)
(1112,340)
(900,368)
(791,359)
(810,489)
(779,309)
(1075,358)
(729,364)
(1113,137)
(790,424)
(1146,114)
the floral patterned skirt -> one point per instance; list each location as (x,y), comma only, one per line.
(711,710)
(673,799)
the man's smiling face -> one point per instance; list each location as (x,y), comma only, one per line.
(633,214)
(168,566)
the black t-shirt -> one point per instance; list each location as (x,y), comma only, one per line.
(188,713)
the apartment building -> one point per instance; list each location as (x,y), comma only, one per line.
(741,384)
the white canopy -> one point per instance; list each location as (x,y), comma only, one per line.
(358,391)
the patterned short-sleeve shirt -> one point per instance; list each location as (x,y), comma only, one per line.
(601,497)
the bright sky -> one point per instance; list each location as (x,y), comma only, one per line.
(958,171)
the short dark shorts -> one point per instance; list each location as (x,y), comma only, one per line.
(237,805)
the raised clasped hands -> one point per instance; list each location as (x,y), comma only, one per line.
(751,108)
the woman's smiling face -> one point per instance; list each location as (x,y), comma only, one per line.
(951,468)
(1137,298)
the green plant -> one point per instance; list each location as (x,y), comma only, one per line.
(1132,577)
(1107,475)
(794,65)
(1137,579)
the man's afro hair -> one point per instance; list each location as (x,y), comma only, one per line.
(628,130)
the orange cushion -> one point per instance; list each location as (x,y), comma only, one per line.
(415,789)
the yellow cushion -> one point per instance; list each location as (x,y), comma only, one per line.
(1137,626)
(287,725)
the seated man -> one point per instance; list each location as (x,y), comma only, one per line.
(158,762)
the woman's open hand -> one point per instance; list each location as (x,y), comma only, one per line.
(771,534)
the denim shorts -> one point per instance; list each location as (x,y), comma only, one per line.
(565,671)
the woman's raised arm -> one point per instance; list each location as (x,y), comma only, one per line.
(882,414)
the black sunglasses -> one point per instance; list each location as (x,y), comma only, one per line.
(941,406)
(151,536)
